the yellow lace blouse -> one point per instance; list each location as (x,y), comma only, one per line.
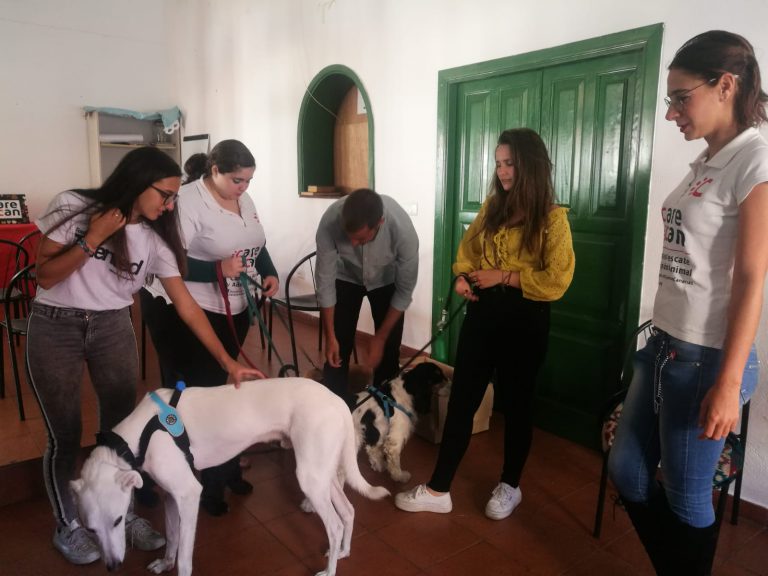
(545,282)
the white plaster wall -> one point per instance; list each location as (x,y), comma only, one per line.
(238,69)
(55,58)
(254,58)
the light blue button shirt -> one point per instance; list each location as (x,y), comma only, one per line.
(392,257)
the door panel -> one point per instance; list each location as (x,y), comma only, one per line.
(484,109)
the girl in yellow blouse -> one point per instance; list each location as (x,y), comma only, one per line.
(515,258)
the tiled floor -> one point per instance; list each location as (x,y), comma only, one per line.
(266,533)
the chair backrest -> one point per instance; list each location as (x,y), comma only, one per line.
(30,242)
(303,272)
(13,257)
(612,411)
(19,292)
(637,341)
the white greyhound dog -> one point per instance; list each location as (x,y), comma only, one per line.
(221,422)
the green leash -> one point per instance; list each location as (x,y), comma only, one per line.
(253,312)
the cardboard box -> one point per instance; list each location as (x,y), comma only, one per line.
(430,426)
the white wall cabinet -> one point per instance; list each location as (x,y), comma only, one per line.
(111,137)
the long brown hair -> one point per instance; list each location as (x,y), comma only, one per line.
(133,175)
(531,196)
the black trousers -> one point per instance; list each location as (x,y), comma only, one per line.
(183,357)
(506,334)
(349,300)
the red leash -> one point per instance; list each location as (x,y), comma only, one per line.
(230,321)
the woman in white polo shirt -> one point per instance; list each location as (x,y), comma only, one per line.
(219,224)
(700,366)
(97,248)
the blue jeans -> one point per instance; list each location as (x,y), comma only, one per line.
(659,424)
(61,342)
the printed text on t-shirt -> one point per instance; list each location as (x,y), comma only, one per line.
(673,220)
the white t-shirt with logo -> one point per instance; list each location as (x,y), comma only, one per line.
(700,232)
(212,233)
(97,285)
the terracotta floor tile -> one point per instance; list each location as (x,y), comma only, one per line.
(18,449)
(603,564)
(373,557)
(251,551)
(301,533)
(426,538)
(482,559)
(540,544)
(550,533)
(753,554)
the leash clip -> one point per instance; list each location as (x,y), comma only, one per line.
(443,322)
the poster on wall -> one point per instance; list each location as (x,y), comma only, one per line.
(13,209)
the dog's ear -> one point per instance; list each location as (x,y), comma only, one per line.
(77,485)
(128,479)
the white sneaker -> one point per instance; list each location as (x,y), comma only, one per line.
(76,544)
(504,500)
(419,499)
(139,534)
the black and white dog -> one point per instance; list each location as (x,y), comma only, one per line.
(385,418)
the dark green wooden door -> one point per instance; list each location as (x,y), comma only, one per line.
(588,111)
(486,105)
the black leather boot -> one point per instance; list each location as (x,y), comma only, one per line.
(651,530)
(695,549)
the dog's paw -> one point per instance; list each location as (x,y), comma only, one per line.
(376,464)
(403,476)
(306,506)
(160,565)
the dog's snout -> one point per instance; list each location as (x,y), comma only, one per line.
(113,566)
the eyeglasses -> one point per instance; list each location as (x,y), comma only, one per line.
(168,197)
(679,101)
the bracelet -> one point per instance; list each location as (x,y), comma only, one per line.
(84,245)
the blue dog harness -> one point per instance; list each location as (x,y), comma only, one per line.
(388,404)
(168,419)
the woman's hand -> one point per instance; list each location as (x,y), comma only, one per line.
(231,267)
(271,284)
(490,278)
(719,413)
(238,372)
(463,289)
(103,225)
(487,278)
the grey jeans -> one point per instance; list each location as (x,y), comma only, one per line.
(61,342)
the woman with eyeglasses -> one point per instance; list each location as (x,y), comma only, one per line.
(221,227)
(700,366)
(98,246)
